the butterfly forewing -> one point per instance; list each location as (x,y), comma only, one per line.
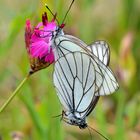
(67,44)
(80,92)
(63,79)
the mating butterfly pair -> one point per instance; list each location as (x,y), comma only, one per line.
(81,72)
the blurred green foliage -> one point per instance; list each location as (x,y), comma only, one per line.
(30,114)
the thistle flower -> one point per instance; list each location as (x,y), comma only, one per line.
(38,43)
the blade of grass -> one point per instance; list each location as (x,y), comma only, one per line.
(14,93)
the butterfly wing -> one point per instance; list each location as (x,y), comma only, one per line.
(101,50)
(81,74)
(75,80)
(65,44)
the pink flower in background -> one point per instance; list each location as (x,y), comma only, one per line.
(38,43)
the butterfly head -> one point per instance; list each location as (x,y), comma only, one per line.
(58,31)
(73,119)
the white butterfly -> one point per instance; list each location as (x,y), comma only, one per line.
(81,75)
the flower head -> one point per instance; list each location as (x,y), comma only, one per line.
(38,43)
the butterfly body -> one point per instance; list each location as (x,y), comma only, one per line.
(74,119)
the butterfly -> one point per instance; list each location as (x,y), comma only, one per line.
(80,78)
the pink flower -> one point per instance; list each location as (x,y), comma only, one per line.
(38,43)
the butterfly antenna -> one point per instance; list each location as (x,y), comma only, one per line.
(68,11)
(89,132)
(54,15)
(98,132)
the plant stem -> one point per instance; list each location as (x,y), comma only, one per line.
(14,93)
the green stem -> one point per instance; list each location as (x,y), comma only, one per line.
(14,93)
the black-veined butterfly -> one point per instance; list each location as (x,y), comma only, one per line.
(80,79)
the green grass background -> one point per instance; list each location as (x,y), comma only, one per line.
(31,113)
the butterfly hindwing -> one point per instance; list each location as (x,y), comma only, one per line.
(101,50)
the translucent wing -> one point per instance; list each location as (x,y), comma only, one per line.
(101,50)
(109,84)
(75,80)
